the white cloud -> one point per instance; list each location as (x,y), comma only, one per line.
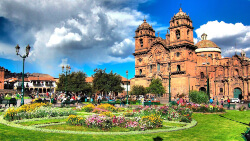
(62,35)
(123,48)
(226,35)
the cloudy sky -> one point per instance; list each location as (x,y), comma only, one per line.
(89,34)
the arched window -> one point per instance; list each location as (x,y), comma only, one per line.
(151,67)
(177,54)
(178,34)
(178,68)
(140,71)
(236,72)
(188,32)
(177,23)
(141,42)
(202,75)
(221,90)
(158,67)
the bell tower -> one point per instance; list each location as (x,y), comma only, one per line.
(181,29)
(144,35)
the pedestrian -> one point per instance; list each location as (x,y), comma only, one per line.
(228,102)
(211,100)
(222,102)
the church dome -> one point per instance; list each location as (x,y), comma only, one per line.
(145,25)
(206,45)
(181,15)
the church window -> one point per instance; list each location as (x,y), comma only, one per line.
(202,75)
(158,67)
(178,54)
(236,72)
(178,68)
(141,42)
(221,90)
(177,23)
(140,71)
(151,68)
(177,34)
(188,32)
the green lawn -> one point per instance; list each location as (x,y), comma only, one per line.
(210,127)
(42,122)
(241,116)
(26,97)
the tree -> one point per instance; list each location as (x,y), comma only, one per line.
(138,90)
(198,97)
(106,83)
(156,87)
(75,83)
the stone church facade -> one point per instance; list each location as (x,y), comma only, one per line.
(189,66)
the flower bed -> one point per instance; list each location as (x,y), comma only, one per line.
(174,113)
(35,110)
(100,108)
(205,108)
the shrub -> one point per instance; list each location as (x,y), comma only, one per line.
(198,97)
(152,121)
(101,122)
(88,108)
(108,107)
(75,120)
(242,108)
(109,114)
(38,112)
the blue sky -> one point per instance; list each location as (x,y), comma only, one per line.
(89,34)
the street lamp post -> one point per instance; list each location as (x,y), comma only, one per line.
(67,70)
(24,56)
(127,86)
(207,63)
(169,83)
(37,93)
(50,89)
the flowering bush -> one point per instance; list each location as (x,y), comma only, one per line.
(102,122)
(75,120)
(152,121)
(38,112)
(109,114)
(119,121)
(204,108)
(108,107)
(88,108)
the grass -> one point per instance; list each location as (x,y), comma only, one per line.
(172,124)
(42,122)
(241,116)
(83,128)
(210,127)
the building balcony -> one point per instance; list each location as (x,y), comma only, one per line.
(178,72)
(140,76)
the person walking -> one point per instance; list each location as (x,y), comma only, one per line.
(228,102)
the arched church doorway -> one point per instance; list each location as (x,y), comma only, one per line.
(202,89)
(238,93)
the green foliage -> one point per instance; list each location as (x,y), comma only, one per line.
(198,97)
(156,87)
(75,83)
(138,90)
(105,83)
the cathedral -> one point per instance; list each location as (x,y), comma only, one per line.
(184,66)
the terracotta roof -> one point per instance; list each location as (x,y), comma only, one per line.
(206,44)
(124,79)
(48,78)
(89,79)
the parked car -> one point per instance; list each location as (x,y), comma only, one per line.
(234,100)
